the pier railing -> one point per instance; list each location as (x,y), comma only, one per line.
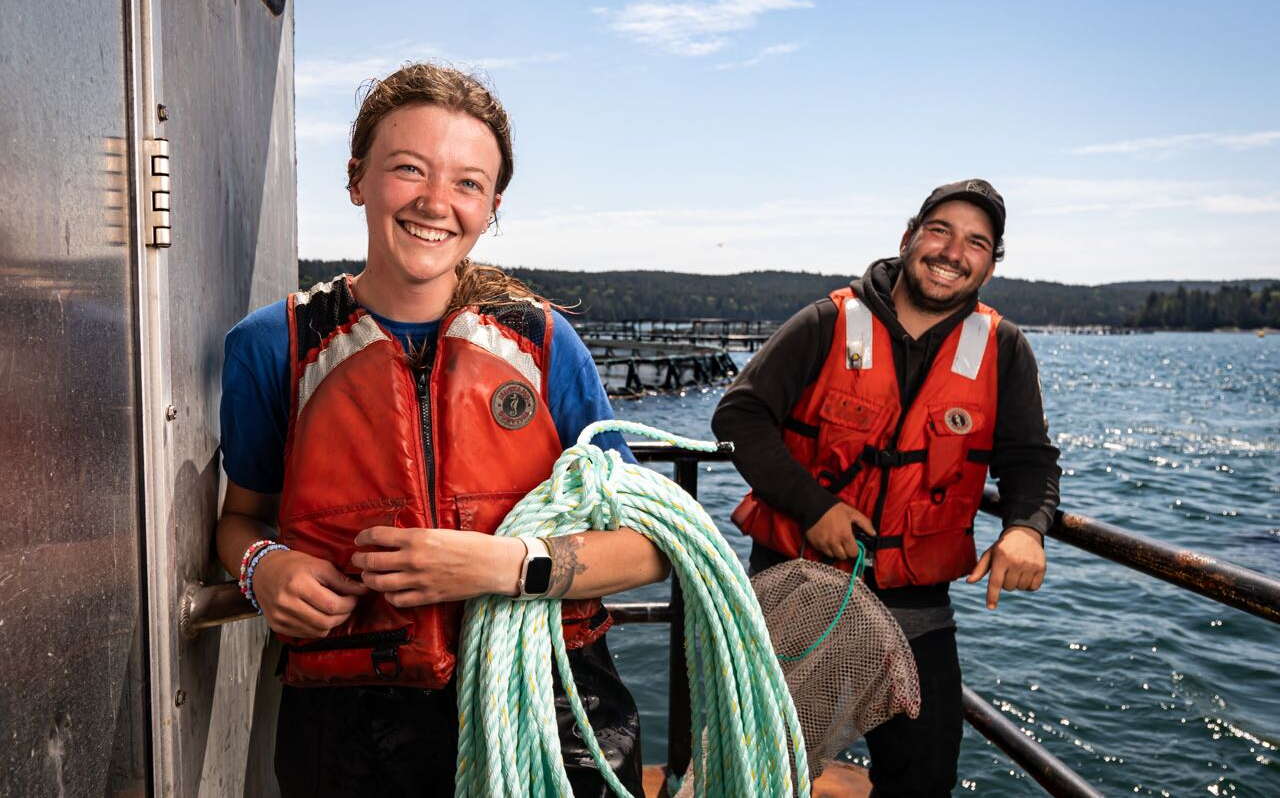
(204,606)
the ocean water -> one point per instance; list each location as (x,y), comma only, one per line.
(1140,687)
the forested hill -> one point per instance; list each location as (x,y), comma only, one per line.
(607,296)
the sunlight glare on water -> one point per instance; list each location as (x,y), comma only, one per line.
(1140,687)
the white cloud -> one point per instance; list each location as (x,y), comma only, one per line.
(692,29)
(1168,144)
(318,75)
(314,76)
(1075,231)
(1234,203)
(768,52)
(321,129)
(1059,197)
(515,61)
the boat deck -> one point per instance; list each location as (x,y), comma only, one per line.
(838,780)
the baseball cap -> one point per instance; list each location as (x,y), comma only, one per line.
(977,191)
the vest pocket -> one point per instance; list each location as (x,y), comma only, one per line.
(483,512)
(938,544)
(950,432)
(845,423)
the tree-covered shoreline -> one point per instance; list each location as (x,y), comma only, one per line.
(776,295)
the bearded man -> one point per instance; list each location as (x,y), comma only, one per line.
(873,415)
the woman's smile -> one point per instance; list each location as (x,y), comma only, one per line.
(429,235)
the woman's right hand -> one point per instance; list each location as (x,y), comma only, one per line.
(301,595)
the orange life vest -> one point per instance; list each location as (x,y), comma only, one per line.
(917,472)
(374,442)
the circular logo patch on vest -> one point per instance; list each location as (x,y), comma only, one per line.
(958,420)
(513,404)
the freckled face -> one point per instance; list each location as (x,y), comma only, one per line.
(427,190)
(949,258)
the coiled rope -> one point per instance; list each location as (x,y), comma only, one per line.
(746,734)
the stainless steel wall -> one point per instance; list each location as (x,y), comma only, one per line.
(97,696)
(227,84)
(71,702)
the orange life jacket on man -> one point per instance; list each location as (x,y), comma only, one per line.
(917,472)
(375,442)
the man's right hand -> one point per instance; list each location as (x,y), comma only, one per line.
(833,533)
(303,596)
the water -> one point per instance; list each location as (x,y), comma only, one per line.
(1140,687)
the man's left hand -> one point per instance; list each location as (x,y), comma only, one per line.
(1016,562)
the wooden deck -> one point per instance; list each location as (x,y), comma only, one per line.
(838,780)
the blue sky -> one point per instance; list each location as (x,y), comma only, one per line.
(1130,140)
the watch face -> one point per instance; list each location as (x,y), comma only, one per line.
(538,576)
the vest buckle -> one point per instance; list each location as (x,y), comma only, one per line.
(386,662)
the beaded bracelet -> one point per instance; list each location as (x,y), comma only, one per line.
(249,553)
(253,566)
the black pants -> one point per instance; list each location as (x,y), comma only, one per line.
(917,758)
(333,742)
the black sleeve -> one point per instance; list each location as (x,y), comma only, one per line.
(1024,462)
(760,399)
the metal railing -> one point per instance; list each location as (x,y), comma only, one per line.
(204,606)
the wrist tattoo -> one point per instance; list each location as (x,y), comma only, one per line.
(564,563)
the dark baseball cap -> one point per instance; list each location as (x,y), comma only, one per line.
(977,191)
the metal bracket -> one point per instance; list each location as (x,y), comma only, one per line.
(157,192)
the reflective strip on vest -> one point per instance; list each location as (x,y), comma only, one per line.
(857,334)
(468,326)
(340,347)
(973,345)
(303,297)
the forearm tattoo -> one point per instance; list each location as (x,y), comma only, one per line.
(564,563)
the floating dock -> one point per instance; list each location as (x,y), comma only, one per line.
(734,335)
(632,367)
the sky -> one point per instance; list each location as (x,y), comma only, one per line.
(1131,141)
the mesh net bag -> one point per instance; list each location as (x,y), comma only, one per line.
(857,676)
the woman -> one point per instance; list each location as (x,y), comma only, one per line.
(381,421)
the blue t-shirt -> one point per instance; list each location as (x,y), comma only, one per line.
(255,392)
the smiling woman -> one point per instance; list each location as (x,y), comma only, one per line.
(384,424)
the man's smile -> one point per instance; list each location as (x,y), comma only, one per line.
(944,271)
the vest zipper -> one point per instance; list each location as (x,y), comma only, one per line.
(883,495)
(428,454)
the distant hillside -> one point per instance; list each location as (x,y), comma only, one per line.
(611,296)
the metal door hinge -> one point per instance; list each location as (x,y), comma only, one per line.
(156,195)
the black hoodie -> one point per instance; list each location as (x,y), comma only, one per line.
(1024,462)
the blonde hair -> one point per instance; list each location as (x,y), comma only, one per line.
(435,84)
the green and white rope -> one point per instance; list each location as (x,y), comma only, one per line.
(746,734)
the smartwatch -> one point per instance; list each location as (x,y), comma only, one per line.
(535,573)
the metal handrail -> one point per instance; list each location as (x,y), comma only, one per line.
(1053,774)
(1225,582)
(204,606)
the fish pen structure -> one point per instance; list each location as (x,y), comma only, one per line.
(631,368)
(734,335)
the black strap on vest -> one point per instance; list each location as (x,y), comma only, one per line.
(892,458)
(799,427)
(896,458)
(873,543)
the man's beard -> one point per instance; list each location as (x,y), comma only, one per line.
(926,303)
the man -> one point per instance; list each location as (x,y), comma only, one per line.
(873,415)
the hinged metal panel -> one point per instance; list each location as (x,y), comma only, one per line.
(157,193)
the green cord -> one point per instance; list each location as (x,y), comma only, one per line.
(853,581)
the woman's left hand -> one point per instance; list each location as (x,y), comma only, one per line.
(427,566)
